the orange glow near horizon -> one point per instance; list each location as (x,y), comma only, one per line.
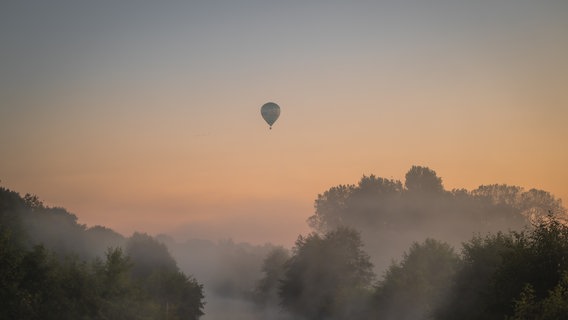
(154,124)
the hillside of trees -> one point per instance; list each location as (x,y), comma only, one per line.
(379,249)
(51,267)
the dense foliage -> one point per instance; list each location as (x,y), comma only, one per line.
(47,276)
(511,262)
(515,274)
(423,277)
(327,276)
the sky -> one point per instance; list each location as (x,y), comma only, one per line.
(145,115)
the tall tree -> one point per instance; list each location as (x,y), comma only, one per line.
(266,291)
(423,180)
(412,288)
(327,276)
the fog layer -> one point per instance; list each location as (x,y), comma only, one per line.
(380,249)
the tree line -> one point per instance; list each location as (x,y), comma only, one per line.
(512,263)
(391,214)
(379,249)
(512,276)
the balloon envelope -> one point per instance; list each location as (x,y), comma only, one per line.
(270,112)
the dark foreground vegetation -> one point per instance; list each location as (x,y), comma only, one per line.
(381,249)
(53,268)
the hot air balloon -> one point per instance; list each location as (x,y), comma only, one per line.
(270,112)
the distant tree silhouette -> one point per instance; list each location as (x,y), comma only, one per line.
(423,180)
(331,208)
(148,255)
(390,217)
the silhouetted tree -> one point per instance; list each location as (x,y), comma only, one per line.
(553,307)
(414,287)
(148,255)
(391,217)
(159,275)
(374,203)
(331,208)
(472,292)
(510,275)
(327,276)
(99,239)
(423,180)
(266,291)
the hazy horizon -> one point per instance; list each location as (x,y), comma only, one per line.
(146,117)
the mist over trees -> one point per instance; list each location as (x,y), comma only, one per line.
(273,270)
(411,230)
(229,271)
(28,219)
(514,275)
(520,274)
(380,249)
(327,276)
(53,268)
(391,215)
(423,277)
